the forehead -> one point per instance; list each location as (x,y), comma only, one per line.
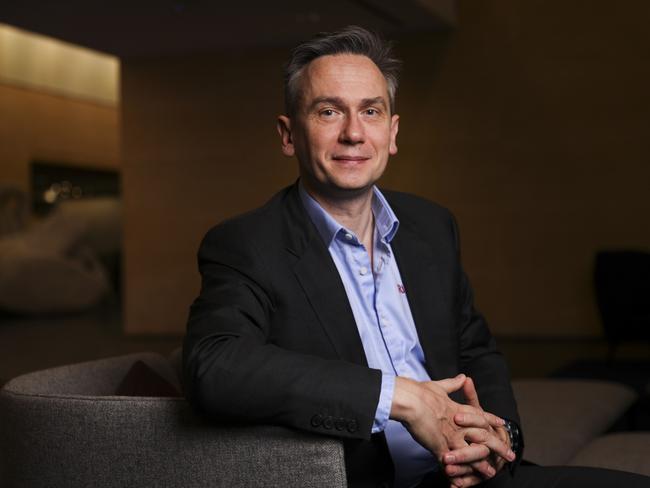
(347,76)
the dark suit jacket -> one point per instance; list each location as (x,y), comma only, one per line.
(272,338)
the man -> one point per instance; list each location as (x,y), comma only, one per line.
(340,309)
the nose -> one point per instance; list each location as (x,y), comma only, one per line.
(352,131)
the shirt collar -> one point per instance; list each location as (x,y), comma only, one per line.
(386,222)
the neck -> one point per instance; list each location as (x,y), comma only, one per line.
(353,212)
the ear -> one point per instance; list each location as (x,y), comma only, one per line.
(284,129)
(394,128)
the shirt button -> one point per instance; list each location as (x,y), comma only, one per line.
(348,236)
(363,270)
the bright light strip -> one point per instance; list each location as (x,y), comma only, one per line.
(43,63)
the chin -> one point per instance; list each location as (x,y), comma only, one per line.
(350,189)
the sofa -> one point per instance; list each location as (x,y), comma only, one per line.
(84,425)
(581,422)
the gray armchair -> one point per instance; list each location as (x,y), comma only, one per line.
(64,427)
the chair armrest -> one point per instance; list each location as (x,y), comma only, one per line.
(74,441)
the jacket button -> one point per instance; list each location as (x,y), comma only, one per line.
(353,426)
(328,422)
(317,420)
(339,424)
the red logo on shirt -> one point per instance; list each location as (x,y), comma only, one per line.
(401,289)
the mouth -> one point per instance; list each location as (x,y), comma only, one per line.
(343,158)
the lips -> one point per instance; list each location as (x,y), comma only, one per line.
(351,159)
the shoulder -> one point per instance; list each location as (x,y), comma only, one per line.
(247,239)
(409,207)
(253,225)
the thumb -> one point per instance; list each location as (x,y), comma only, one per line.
(469,391)
(451,385)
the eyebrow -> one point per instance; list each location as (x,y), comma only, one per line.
(366,102)
(338,101)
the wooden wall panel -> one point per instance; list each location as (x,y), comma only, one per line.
(37,125)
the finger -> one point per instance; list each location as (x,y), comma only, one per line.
(479,468)
(484,468)
(468,454)
(464,481)
(492,441)
(450,385)
(476,435)
(455,470)
(457,441)
(469,391)
(492,419)
(469,419)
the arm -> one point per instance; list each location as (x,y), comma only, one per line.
(486,366)
(479,356)
(480,360)
(234,371)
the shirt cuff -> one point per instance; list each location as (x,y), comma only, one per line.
(385,401)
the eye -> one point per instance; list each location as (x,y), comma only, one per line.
(372,112)
(328,112)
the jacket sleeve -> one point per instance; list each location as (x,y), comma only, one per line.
(481,360)
(479,357)
(232,370)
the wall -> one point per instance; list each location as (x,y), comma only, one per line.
(39,125)
(532,127)
(529,122)
(199,146)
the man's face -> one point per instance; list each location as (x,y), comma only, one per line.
(343,131)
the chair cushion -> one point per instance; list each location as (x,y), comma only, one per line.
(625,451)
(561,416)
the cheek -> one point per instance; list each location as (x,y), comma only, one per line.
(320,145)
(313,151)
(305,144)
(324,133)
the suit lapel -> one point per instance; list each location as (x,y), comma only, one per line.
(320,280)
(421,278)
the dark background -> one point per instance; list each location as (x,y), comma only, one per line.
(529,120)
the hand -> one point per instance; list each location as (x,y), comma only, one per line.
(426,411)
(482,449)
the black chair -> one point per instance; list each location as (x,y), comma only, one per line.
(622,280)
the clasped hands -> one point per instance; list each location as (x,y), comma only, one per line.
(471,444)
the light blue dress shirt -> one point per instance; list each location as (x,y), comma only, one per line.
(381,311)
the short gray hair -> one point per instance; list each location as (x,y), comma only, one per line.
(349,40)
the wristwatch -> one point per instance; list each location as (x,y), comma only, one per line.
(516,439)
